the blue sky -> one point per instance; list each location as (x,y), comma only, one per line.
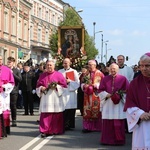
(125,23)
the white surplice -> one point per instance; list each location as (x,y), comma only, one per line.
(109,109)
(127,72)
(70,94)
(52,100)
(141,131)
(5,97)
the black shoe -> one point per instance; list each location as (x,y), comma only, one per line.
(8,129)
(85,131)
(43,135)
(32,114)
(67,128)
(14,124)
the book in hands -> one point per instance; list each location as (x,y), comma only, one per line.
(70,75)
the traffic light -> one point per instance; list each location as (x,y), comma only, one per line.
(127,58)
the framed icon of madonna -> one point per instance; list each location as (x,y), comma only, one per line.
(70,40)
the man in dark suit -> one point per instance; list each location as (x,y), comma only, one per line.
(37,74)
(14,92)
(26,87)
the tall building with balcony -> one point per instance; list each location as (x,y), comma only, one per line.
(45,18)
(14,24)
(26,26)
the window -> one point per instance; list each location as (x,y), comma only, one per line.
(47,37)
(31,32)
(20,29)
(53,19)
(39,37)
(6,21)
(40,12)
(46,16)
(25,31)
(13,25)
(13,53)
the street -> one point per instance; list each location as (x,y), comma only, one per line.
(26,136)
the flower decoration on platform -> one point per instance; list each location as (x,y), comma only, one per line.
(78,61)
(59,59)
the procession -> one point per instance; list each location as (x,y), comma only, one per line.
(57,86)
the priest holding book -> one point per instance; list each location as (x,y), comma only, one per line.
(70,94)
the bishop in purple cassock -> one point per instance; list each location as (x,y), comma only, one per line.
(112,94)
(6,86)
(50,88)
(137,106)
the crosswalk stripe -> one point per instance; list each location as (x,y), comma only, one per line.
(25,147)
(40,145)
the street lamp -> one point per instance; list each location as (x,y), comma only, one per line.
(80,10)
(106,50)
(102,49)
(94,23)
(101,43)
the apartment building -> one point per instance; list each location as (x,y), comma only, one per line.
(45,18)
(14,24)
(26,26)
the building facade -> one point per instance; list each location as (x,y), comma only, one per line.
(15,18)
(45,18)
(26,26)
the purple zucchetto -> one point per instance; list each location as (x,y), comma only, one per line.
(148,54)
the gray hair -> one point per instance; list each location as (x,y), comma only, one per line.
(51,60)
(144,57)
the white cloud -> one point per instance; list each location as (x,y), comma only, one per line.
(117,42)
(116,32)
(138,33)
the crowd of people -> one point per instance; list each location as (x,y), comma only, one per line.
(113,99)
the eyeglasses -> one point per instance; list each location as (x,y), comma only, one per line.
(146,66)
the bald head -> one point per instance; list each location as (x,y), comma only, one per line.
(66,63)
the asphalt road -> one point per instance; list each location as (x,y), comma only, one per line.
(26,136)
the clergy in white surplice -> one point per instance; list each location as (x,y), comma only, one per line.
(50,87)
(112,94)
(137,106)
(70,94)
(6,86)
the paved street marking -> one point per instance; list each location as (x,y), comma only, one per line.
(40,145)
(25,147)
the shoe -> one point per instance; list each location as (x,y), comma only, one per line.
(32,114)
(85,131)
(7,129)
(43,135)
(67,128)
(14,124)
